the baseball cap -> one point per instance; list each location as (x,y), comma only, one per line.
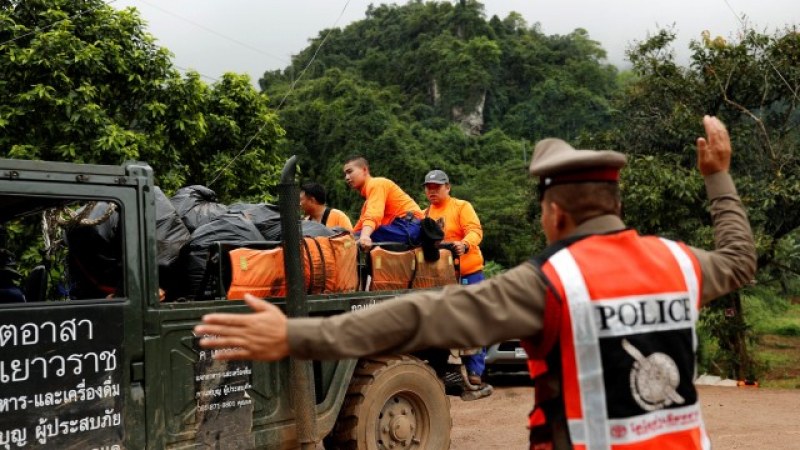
(436,177)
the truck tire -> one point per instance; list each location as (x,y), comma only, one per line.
(393,403)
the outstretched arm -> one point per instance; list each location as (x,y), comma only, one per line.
(260,335)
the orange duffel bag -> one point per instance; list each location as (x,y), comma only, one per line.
(434,274)
(345,251)
(391,270)
(319,264)
(329,265)
(258,272)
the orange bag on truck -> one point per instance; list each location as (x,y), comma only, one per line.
(329,265)
(434,274)
(319,264)
(391,270)
(345,251)
(258,272)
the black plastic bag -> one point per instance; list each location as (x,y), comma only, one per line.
(265,217)
(197,205)
(171,233)
(231,227)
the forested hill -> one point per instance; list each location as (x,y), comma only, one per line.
(439,85)
(422,86)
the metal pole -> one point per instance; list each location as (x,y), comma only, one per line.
(301,372)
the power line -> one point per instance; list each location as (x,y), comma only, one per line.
(186,69)
(780,75)
(203,27)
(291,88)
(39,30)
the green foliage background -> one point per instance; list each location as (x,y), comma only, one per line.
(420,86)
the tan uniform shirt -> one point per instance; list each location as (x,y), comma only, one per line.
(509,305)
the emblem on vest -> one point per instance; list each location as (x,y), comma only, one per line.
(654,379)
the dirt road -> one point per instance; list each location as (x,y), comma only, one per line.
(736,418)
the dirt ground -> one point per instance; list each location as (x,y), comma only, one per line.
(736,418)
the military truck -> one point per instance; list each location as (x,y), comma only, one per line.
(116,368)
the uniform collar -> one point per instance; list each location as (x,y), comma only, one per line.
(599,225)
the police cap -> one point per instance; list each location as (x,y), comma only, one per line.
(556,162)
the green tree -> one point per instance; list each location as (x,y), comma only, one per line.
(396,87)
(82,82)
(752,85)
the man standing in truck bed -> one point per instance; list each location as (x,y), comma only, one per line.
(388,214)
(463,230)
(607,316)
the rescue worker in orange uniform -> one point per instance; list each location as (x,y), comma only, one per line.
(462,229)
(313,203)
(388,214)
(608,316)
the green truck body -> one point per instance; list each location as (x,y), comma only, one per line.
(124,371)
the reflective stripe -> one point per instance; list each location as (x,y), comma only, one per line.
(694,291)
(577,431)
(587,354)
(687,268)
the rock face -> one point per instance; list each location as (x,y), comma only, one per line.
(472,122)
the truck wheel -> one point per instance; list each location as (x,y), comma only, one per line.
(393,403)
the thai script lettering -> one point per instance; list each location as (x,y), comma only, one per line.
(17,370)
(47,429)
(81,393)
(224,390)
(16,436)
(667,421)
(32,333)
(370,304)
(227,374)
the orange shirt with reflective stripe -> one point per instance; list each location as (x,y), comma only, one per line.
(384,202)
(461,223)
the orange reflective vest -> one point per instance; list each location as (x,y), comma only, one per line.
(620,334)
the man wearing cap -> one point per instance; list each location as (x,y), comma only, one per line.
(463,230)
(607,315)
(388,214)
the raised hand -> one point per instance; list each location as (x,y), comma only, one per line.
(714,151)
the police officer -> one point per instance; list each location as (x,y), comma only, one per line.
(607,315)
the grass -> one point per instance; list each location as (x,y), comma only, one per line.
(778,346)
(774,346)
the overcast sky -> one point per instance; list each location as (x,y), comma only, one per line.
(251,36)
